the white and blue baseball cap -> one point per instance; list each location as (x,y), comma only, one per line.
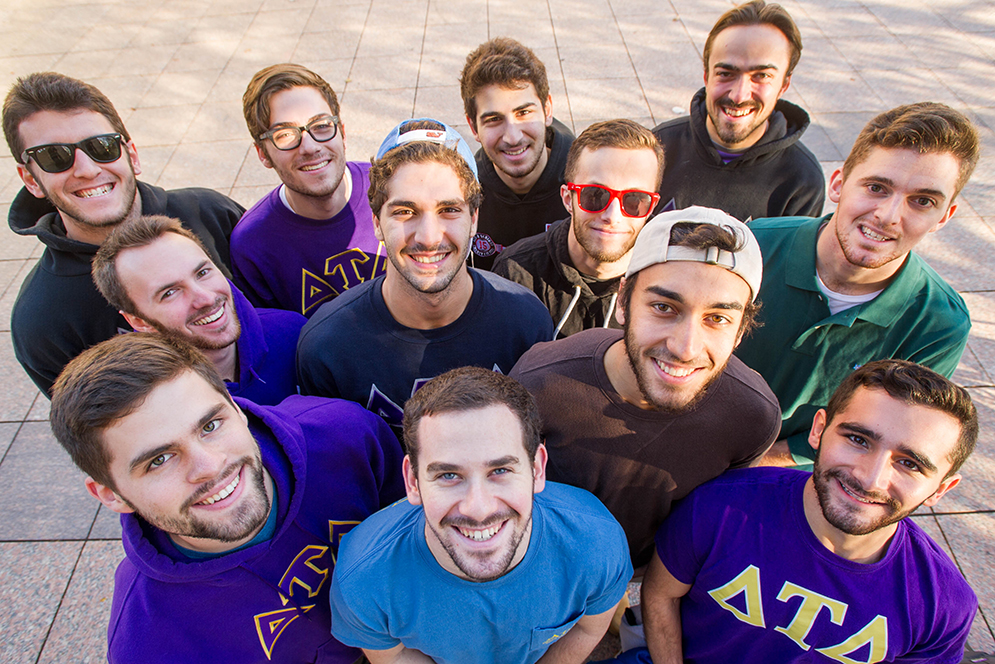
(447,137)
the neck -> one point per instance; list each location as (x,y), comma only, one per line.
(225,360)
(90,234)
(524,184)
(864,549)
(205,545)
(322,207)
(842,276)
(426,311)
(622,377)
(587,265)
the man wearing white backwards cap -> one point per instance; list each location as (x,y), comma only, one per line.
(640,417)
(382,340)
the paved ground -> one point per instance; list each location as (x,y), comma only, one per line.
(176,72)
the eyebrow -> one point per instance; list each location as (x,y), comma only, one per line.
(172,284)
(888,182)
(732,67)
(853,427)
(148,455)
(443,467)
(491,114)
(288,123)
(677,297)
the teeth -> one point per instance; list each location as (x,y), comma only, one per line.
(872,235)
(676,372)
(855,496)
(221,495)
(738,112)
(429,259)
(210,319)
(480,535)
(315,167)
(96,191)
(515,153)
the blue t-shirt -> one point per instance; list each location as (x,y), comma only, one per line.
(389,589)
(354,349)
(764,589)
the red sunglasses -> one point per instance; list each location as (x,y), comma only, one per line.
(594,198)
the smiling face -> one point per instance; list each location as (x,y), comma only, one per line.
(511,128)
(603,238)
(425,226)
(682,322)
(187,463)
(178,291)
(91,197)
(311,169)
(879,459)
(744,78)
(888,203)
(476,482)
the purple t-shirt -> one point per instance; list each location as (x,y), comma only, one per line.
(765,590)
(281,260)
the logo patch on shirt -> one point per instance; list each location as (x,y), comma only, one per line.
(483,246)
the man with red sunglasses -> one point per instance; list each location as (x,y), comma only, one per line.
(79,167)
(612,174)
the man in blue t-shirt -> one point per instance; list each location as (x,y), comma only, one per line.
(486,561)
(429,313)
(795,567)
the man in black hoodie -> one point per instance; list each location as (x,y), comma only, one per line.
(739,148)
(78,164)
(612,172)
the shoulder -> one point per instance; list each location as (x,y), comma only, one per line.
(205,199)
(257,214)
(505,289)
(280,320)
(558,356)
(375,540)
(337,416)
(749,386)
(777,224)
(671,129)
(529,254)
(936,290)
(353,303)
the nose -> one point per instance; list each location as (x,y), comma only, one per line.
(308,145)
(512,133)
(741,90)
(874,473)
(84,167)
(479,502)
(430,231)
(205,461)
(687,342)
(613,212)
(889,210)
(200,296)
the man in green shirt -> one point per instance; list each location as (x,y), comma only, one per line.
(847,289)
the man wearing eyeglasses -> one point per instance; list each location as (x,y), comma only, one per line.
(612,173)
(640,417)
(78,165)
(311,238)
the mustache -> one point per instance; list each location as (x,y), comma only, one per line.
(854,487)
(492,520)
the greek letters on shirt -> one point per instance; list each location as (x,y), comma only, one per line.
(341,272)
(744,592)
(306,575)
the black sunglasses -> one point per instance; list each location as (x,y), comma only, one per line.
(59,157)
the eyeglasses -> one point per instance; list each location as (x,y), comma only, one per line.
(322,129)
(594,198)
(59,157)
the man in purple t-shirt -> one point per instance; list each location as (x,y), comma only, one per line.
(311,238)
(795,567)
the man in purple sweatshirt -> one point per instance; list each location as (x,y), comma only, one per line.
(232,512)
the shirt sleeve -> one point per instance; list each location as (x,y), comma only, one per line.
(357,621)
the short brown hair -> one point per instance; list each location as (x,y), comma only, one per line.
(623,134)
(50,91)
(504,62)
(138,233)
(471,388)
(277,78)
(914,384)
(700,236)
(421,152)
(110,381)
(924,127)
(758,12)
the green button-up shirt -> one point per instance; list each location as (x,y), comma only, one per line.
(804,352)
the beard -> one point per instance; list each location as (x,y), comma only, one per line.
(483,567)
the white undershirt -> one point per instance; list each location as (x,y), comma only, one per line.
(839,302)
(346,180)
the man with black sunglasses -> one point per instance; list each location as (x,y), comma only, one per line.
(78,164)
(311,238)
(612,174)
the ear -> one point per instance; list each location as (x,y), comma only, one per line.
(818,426)
(342,132)
(567,197)
(263,156)
(410,481)
(945,486)
(785,86)
(107,496)
(946,218)
(547,109)
(241,413)
(836,185)
(133,156)
(473,127)
(138,324)
(539,469)
(30,183)
(619,310)
(473,222)
(377,231)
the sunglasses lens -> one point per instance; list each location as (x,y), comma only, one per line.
(102,149)
(54,158)
(636,203)
(594,199)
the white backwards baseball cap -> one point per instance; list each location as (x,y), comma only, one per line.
(447,137)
